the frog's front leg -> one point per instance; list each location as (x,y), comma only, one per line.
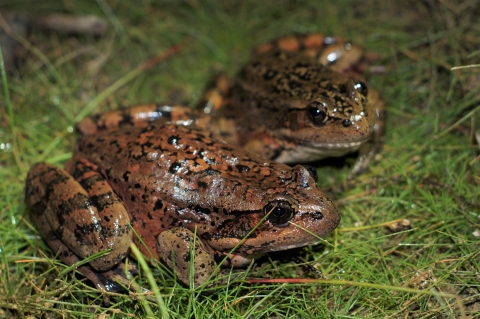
(174,247)
(372,147)
(79,218)
(140,116)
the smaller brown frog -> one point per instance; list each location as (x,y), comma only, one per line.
(299,100)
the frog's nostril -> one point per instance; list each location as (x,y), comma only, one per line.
(317,215)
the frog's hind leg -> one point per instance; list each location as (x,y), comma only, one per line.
(334,52)
(138,116)
(372,147)
(65,254)
(76,223)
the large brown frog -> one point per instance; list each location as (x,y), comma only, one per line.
(170,183)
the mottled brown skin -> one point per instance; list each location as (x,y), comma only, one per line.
(173,181)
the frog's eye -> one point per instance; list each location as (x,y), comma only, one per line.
(361,87)
(317,111)
(312,171)
(280,212)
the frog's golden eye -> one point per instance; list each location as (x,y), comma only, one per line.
(312,171)
(317,111)
(361,87)
(280,211)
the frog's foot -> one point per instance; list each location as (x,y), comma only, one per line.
(113,280)
(372,147)
(65,254)
(334,52)
(85,220)
(175,248)
(138,116)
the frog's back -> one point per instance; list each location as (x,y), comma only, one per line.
(181,160)
(290,75)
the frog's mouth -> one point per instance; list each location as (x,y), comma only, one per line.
(348,145)
(305,153)
(254,248)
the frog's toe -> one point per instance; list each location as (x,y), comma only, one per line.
(175,246)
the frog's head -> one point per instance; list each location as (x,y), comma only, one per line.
(336,120)
(296,99)
(277,218)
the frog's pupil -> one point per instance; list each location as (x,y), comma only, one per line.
(279,211)
(314,111)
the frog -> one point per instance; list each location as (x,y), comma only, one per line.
(177,191)
(299,99)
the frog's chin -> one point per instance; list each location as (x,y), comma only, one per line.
(237,260)
(317,151)
(240,260)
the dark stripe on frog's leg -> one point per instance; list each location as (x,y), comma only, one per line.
(372,147)
(64,215)
(176,243)
(137,116)
(214,95)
